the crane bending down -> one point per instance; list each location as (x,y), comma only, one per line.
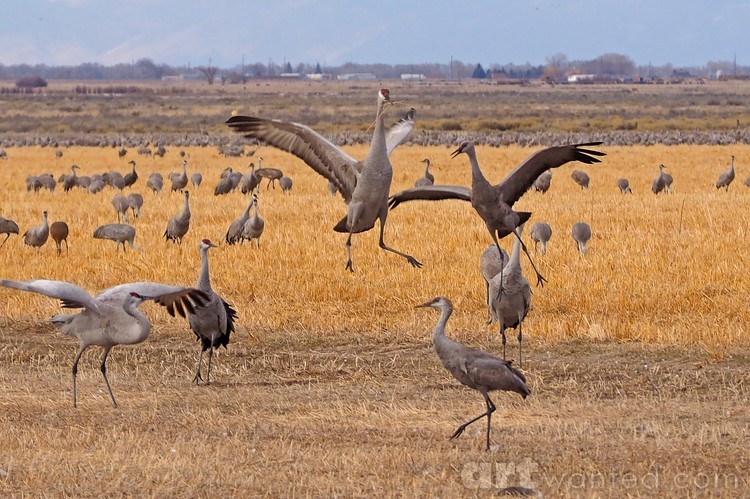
(474,368)
(364,185)
(494,203)
(213,323)
(111,317)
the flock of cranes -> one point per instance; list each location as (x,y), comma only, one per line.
(112,317)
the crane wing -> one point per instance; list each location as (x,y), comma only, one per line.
(69,294)
(522,178)
(400,131)
(177,298)
(316,151)
(495,373)
(430,193)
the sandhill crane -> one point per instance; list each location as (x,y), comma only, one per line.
(624,186)
(119,233)
(121,205)
(130,177)
(272,174)
(83,181)
(510,296)
(234,233)
(543,182)
(47,181)
(7,227)
(581,234)
(363,185)
(70,180)
(668,182)
(155,182)
(662,182)
(581,178)
(37,236)
(179,224)
(112,317)
(114,179)
(33,183)
(96,186)
(58,153)
(541,233)
(474,368)
(494,203)
(225,184)
(726,177)
(3,154)
(122,152)
(135,202)
(426,179)
(58,231)
(180,180)
(286,184)
(196,179)
(249,181)
(491,263)
(214,322)
(254,225)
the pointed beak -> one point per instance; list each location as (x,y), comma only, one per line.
(456,152)
(424,305)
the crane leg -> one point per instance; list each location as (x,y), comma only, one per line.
(75,372)
(210,356)
(198,376)
(490,409)
(413,261)
(520,339)
(104,373)
(349,265)
(502,333)
(540,280)
(6,238)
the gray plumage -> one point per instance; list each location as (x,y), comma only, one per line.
(474,368)
(510,296)
(196,178)
(111,318)
(286,184)
(59,231)
(332,189)
(272,174)
(180,180)
(69,181)
(234,233)
(581,178)
(33,183)
(662,182)
(624,186)
(426,179)
(213,323)
(249,181)
(83,181)
(119,233)
(96,186)
(726,177)
(364,185)
(7,227)
(491,264)
(179,224)
(155,182)
(494,203)
(37,236)
(135,202)
(130,178)
(114,179)
(47,181)
(225,183)
(543,182)
(254,225)
(541,233)
(581,234)
(121,205)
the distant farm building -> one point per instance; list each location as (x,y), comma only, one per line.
(412,76)
(357,76)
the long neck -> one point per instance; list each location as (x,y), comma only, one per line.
(204,281)
(426,168)
(255,210)
(477,177)
(515,258)
(184,168)
(731,167)
(144,326)
(45,225)
(438,336)
(377,144)
(186,208)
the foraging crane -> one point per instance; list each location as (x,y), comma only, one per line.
(135,202)
(543,182)
(364,185)
(541,233)
(234,233)
(225,184)
(426,179)
(37,236)
(130,177)
(121,205)
(179,224)
(624,186)
(254,225)
(510,296)
(180,180)
(726,177)
(286,184)
(494,203)
(111,317)
(119,233)
(581,178)
(155,182)
(581,234)
(196,179)
(96,186)
(474,368)
(7,227)
(214,322)
(58,231)
(48,181)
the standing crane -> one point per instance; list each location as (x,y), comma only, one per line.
(130,177)
(474,368)
(111,317)
(234,233)
(214,322)
(364,185)
(726,177)
(254,225)
(59,233)
(180,180)
(426,179)
(494,203)
(179,224)
(37,236)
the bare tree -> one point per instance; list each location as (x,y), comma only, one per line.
(209,72)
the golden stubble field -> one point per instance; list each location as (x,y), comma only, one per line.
(636,355)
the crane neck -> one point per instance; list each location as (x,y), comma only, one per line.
(476,173)
(186,209)
(131,308)
(377,144)
(731,166)
(438,335)
(204,281)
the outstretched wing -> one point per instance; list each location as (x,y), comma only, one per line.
(177,298)
(400,131)
(318,152)
(184,301)
(430,193)
(69,294)
(522,178)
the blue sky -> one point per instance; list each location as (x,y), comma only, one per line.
(177,32)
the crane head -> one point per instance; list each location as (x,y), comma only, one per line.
(439,303)
(206,243)
(384,94)
(462,148)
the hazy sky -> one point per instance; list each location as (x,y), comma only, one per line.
(178,32)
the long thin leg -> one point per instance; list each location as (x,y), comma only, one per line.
(502,333)
(198,376)
(75,371)
(6,238)
(520,340)
(490,410)
(210,356)
(349,265)
(104,373)
(413,261)
(539,278)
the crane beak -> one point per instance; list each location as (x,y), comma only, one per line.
(424,305)
(456,152)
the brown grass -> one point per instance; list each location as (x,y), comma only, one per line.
(330,387)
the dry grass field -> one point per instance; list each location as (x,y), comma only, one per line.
(636,355)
